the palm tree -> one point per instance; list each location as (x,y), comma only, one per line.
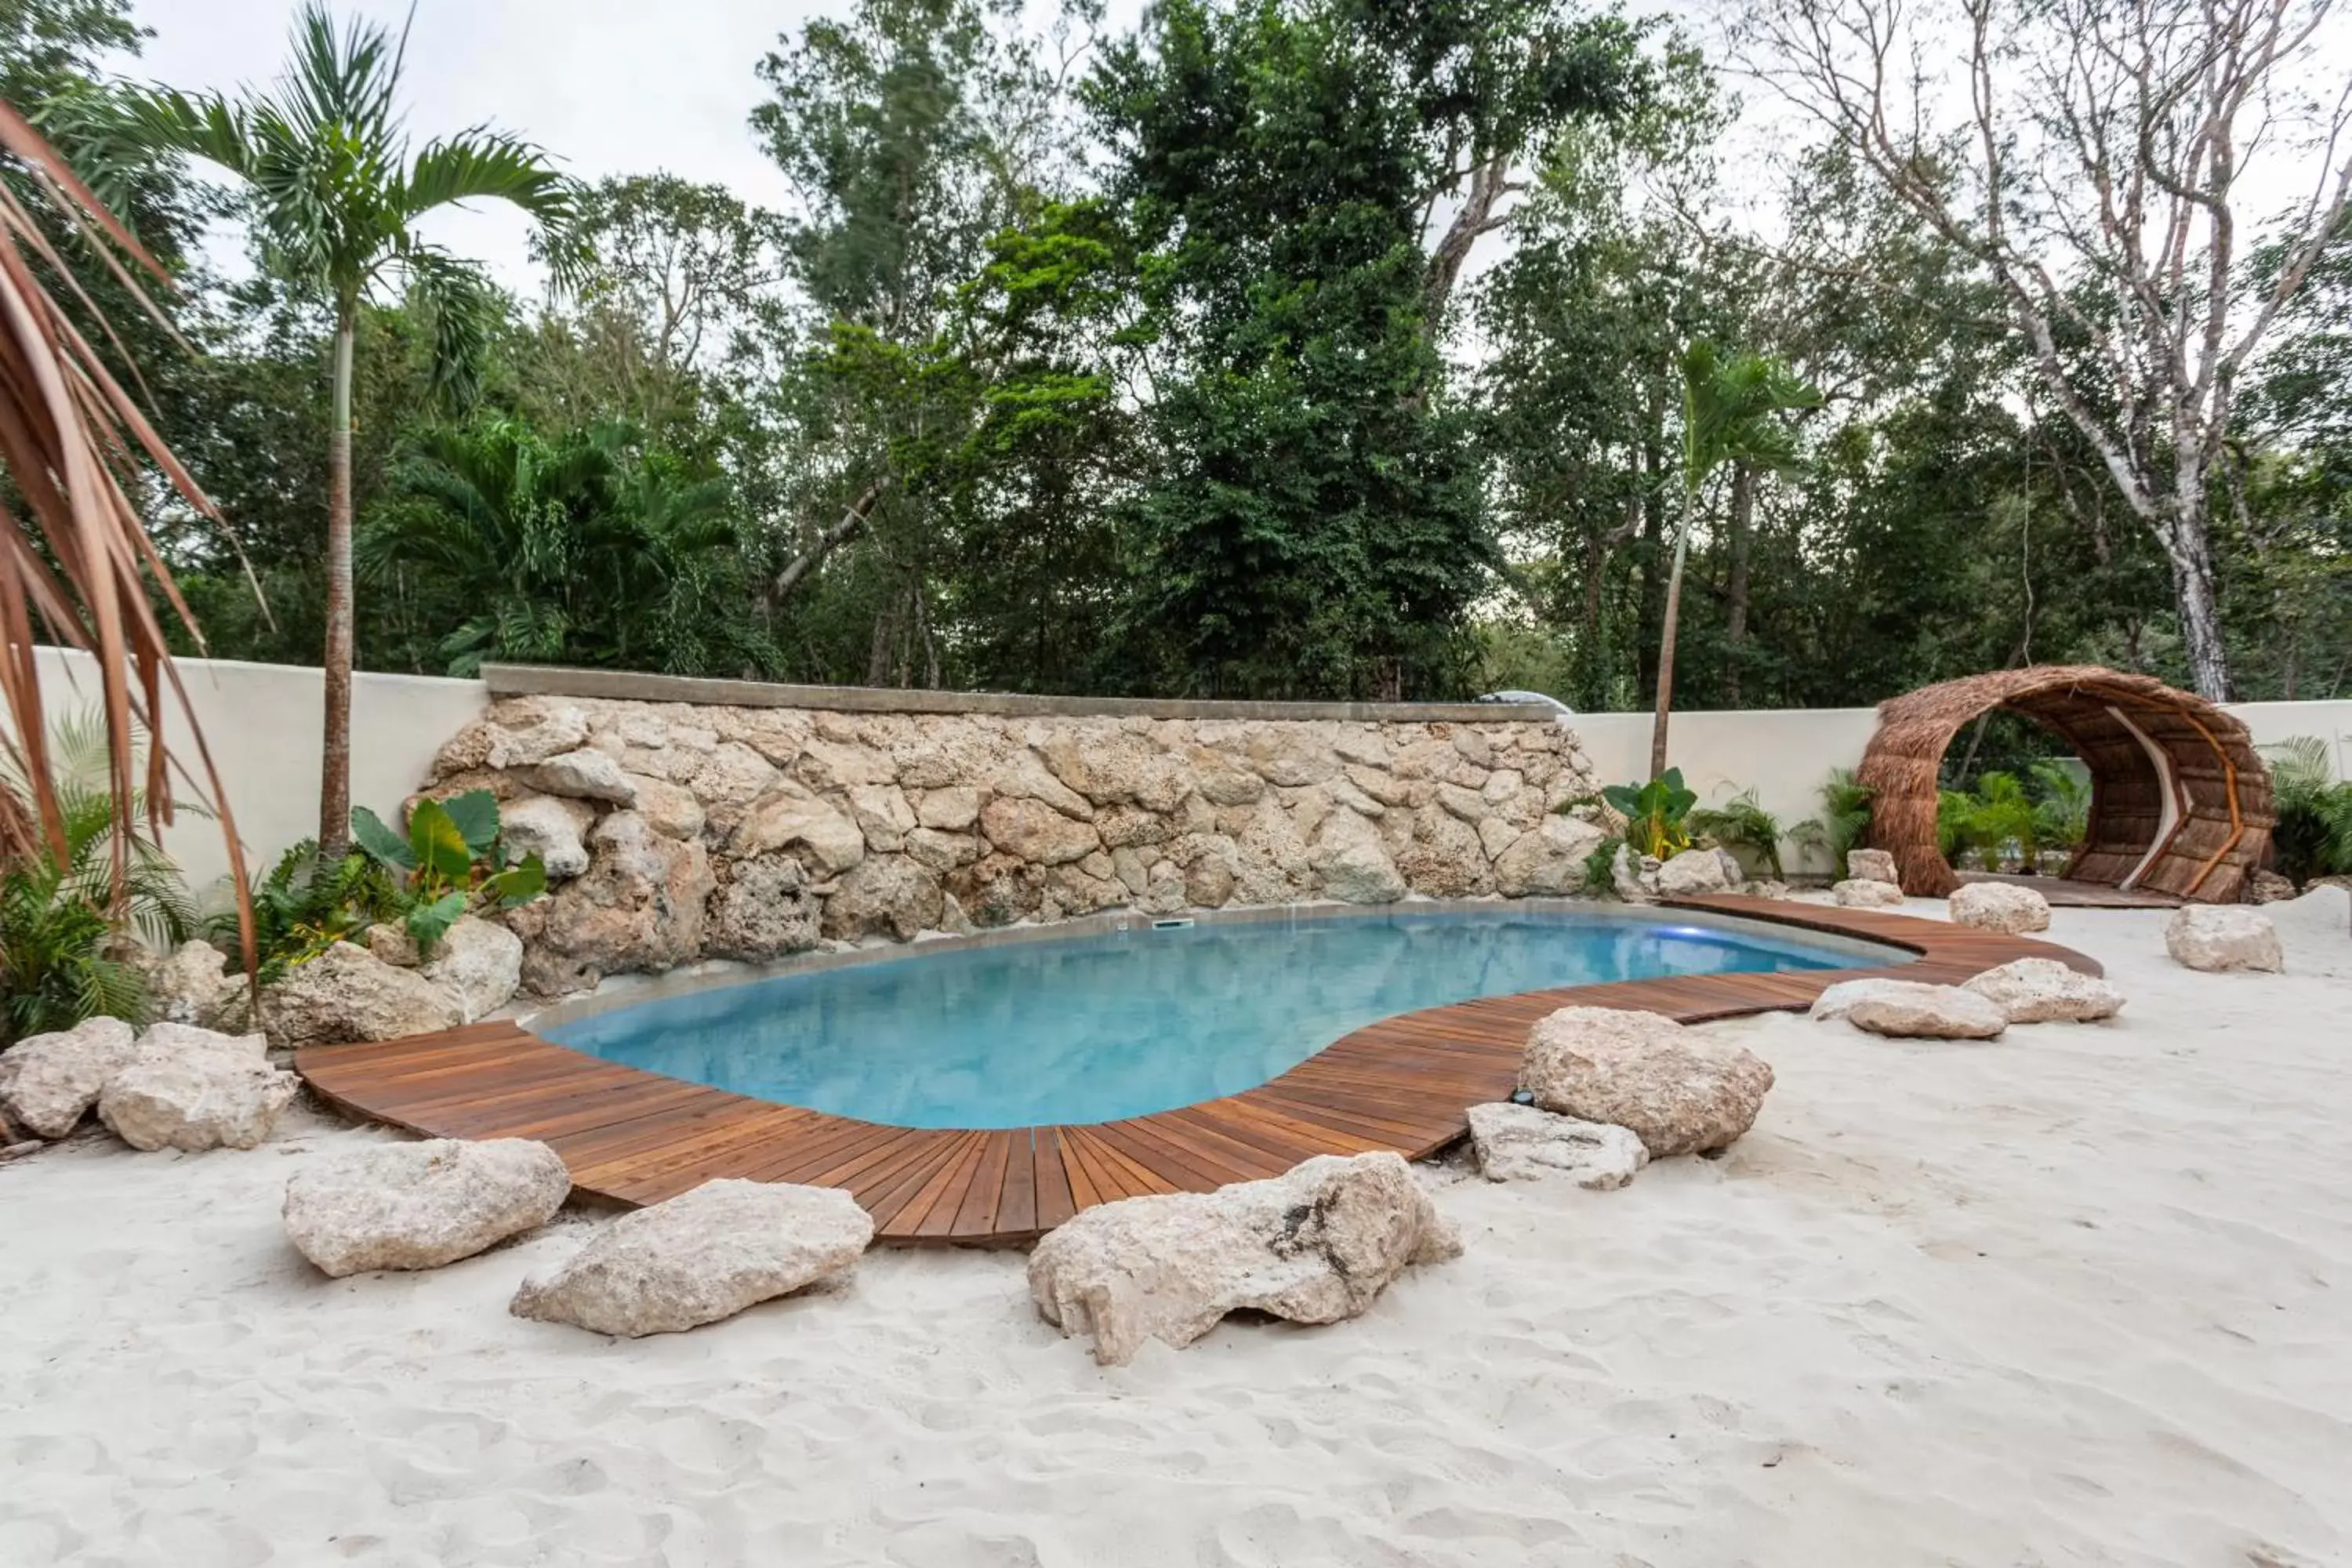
(337,196)
(76,564)
(1730,408)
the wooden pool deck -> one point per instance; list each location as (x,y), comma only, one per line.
(1404,1084)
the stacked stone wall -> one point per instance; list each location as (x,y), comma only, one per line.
(676,832)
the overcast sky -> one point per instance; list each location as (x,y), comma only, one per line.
(607,87)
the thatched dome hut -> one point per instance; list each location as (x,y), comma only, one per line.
(2180,801)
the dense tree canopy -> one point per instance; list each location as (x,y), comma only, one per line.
(1281,348)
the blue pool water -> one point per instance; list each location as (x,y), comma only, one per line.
(1092,1028)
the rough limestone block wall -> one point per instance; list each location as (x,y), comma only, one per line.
(677,832)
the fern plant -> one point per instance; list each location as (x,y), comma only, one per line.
(305,906)
(2314,835)
(1742,826)
(68,932)
(1844,821)
(2062,818)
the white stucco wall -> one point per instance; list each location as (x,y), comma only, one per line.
(262,722)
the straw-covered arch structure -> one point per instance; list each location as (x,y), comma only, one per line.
(2180,800)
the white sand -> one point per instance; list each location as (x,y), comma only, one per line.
(2081,1295)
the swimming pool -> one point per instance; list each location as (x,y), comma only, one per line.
(1094,1028)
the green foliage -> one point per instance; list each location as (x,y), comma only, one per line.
(1656,813)
(66,936)
(305,906)
(448,863)
(2062,813)
(2314,835)
(1743,827)
(1997,822)
(1844,821)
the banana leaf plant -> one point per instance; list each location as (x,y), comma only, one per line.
(449,864)
(1656,813)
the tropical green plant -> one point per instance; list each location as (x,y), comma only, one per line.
(2062,816)
(336,195)
(70,924)
(307,904)
(1731,413)
(1844,821)
(586,549)
(1657,813)
(2314,834)
(1991,822)
(449,864)
(1742,826)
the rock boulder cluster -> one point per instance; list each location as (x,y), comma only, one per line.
(675,832)
(175,1086)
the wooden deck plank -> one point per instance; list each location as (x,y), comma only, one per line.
(1404,1083)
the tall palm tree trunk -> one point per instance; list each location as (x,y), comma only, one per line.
(335,752)
(1666,641)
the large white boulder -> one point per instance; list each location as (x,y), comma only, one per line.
(479,962)
(1523,1143)
(583,774)
(195,985)
(548,827)
(420,1205)
(160,1041)
(49,1082)
(195,1099)
(2217,937)
(1999,906)
(2042,990)
(1315,1244)
(1908,1009)
(1547,860)
(1679,1091)
(1354,865)
(349,993)
(1871,866)
(1863,893)
(700,1257)
(1692,872)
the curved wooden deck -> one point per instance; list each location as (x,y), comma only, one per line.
(1405,1083)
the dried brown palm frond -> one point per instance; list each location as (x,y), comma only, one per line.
(77,563)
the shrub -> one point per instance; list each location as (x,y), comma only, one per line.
(1844,821)
(449,864)
(68,936)
(1656,813)
(1743,827)
(2314,835)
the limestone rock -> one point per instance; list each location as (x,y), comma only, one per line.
(1523,1143)
(883,815)
(1634,877)
(194,985)
(1548,860)
(549,735)
(1908,1009)
(420,1205)
(640,906)
(700,1257)
(1856,893)
(2216,937)
(389,942)
(1871,866)
(580,775)
(949,810)
(1315,1244)
(49,1081)
(1690,873)
(789,814)
(1679,1091)
(348,993)
(883,895)
(159,1041)
(1113,768)
(548,827)
(1999,906)
(1354,866)
(196,1099)
(764,911)
(2269,888)
(670,809)
(1032,831)
(2042,990)
(479,962)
